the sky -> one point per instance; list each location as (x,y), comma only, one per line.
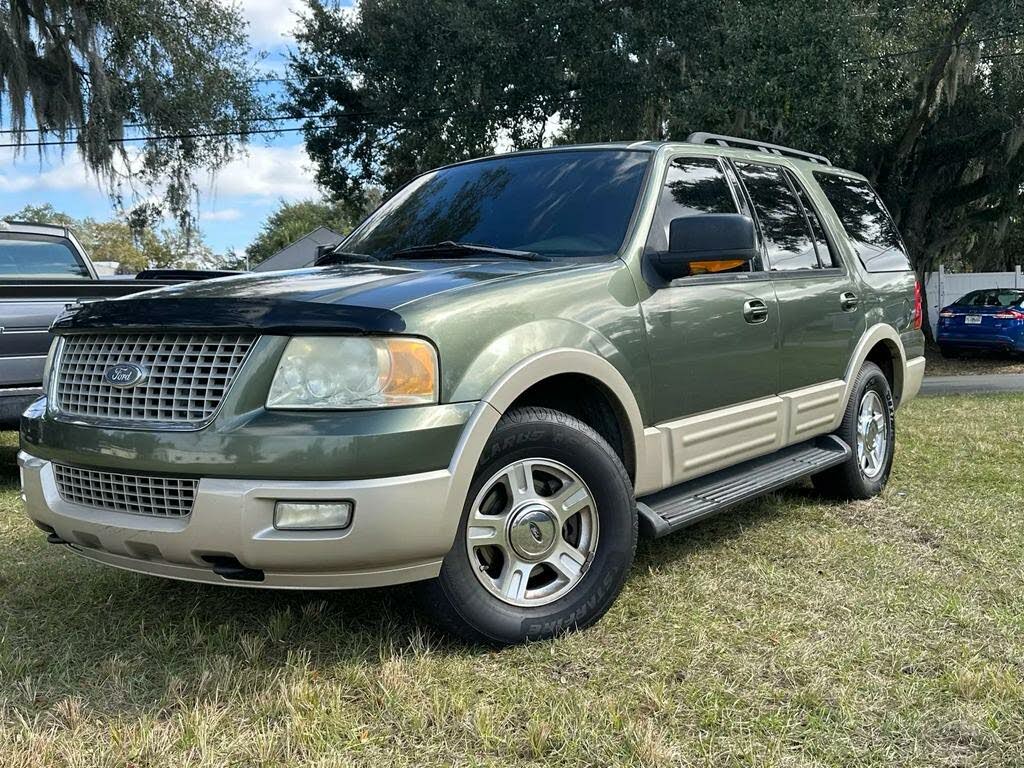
(232,205)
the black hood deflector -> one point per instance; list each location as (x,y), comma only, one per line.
(262,315)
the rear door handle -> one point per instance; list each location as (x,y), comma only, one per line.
(755,311)
(848,301)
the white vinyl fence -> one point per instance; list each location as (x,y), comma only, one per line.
(944,287)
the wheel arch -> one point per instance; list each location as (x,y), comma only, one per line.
(560,366)
(880,344)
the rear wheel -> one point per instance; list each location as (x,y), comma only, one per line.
(869,428)
(547,534)
(949,352)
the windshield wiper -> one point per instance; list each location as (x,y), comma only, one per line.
(451,248)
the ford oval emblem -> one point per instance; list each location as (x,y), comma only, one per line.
(124,375)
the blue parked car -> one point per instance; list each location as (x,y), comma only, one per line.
(990,319)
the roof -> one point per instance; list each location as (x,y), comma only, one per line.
(716,144)
(32,228)
(300,253)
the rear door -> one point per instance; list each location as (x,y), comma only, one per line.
(821,315)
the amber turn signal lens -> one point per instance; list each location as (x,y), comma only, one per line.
(413,371)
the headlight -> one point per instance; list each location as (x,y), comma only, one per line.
(48,365)
(354,372)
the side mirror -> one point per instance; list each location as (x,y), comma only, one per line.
(707,237)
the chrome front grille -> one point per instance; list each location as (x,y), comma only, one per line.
(132,494)
(186,375)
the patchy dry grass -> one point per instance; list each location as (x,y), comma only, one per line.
(789,632)
(972,362)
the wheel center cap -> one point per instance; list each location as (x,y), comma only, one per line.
(532,532)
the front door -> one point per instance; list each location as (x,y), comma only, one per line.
(713,337)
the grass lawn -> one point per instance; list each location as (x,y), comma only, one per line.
(788,632)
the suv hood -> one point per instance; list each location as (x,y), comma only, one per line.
(344,298)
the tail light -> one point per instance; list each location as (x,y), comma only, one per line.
(1009,314)
(918,308)
(947,313)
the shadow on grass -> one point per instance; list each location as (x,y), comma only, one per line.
(69,624)
(719,529)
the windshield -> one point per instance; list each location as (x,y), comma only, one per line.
(38,257)
(566,203)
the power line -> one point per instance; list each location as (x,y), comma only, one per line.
(420,114)
(270,119)
(156,137)
(393,115)
(237,132)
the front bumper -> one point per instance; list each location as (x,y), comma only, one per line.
(402,528)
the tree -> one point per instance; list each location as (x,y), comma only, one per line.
(290,221)
(926,99)
(178,72)
(43,214)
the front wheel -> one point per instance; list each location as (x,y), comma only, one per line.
(869,428)
(547,534)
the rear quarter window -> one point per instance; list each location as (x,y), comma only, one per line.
(869,226)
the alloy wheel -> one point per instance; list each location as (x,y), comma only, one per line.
(532,532)
(872,434)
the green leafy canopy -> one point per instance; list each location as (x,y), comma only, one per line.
(926,98)
(94,72)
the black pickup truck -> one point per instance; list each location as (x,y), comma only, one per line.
(43,269)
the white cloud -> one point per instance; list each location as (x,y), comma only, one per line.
(224,214)
(270,21)
(262,173)
(66,173)
(267,173)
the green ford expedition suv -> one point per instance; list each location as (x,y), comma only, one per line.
(507,371)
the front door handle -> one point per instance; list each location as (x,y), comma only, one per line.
(848,301)
(755,311)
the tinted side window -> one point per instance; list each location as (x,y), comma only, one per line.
(692,186)
(783,225)
(826,257)
(869,226)
(38,257)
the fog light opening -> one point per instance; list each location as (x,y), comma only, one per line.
(312,515)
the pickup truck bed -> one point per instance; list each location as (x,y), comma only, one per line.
(26,311)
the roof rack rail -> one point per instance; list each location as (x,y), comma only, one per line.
(761,146)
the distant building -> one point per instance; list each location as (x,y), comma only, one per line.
(302,252)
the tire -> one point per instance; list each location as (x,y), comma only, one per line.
(482,594)
(852,479)
(948,352)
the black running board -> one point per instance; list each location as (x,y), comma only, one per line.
(681,505)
